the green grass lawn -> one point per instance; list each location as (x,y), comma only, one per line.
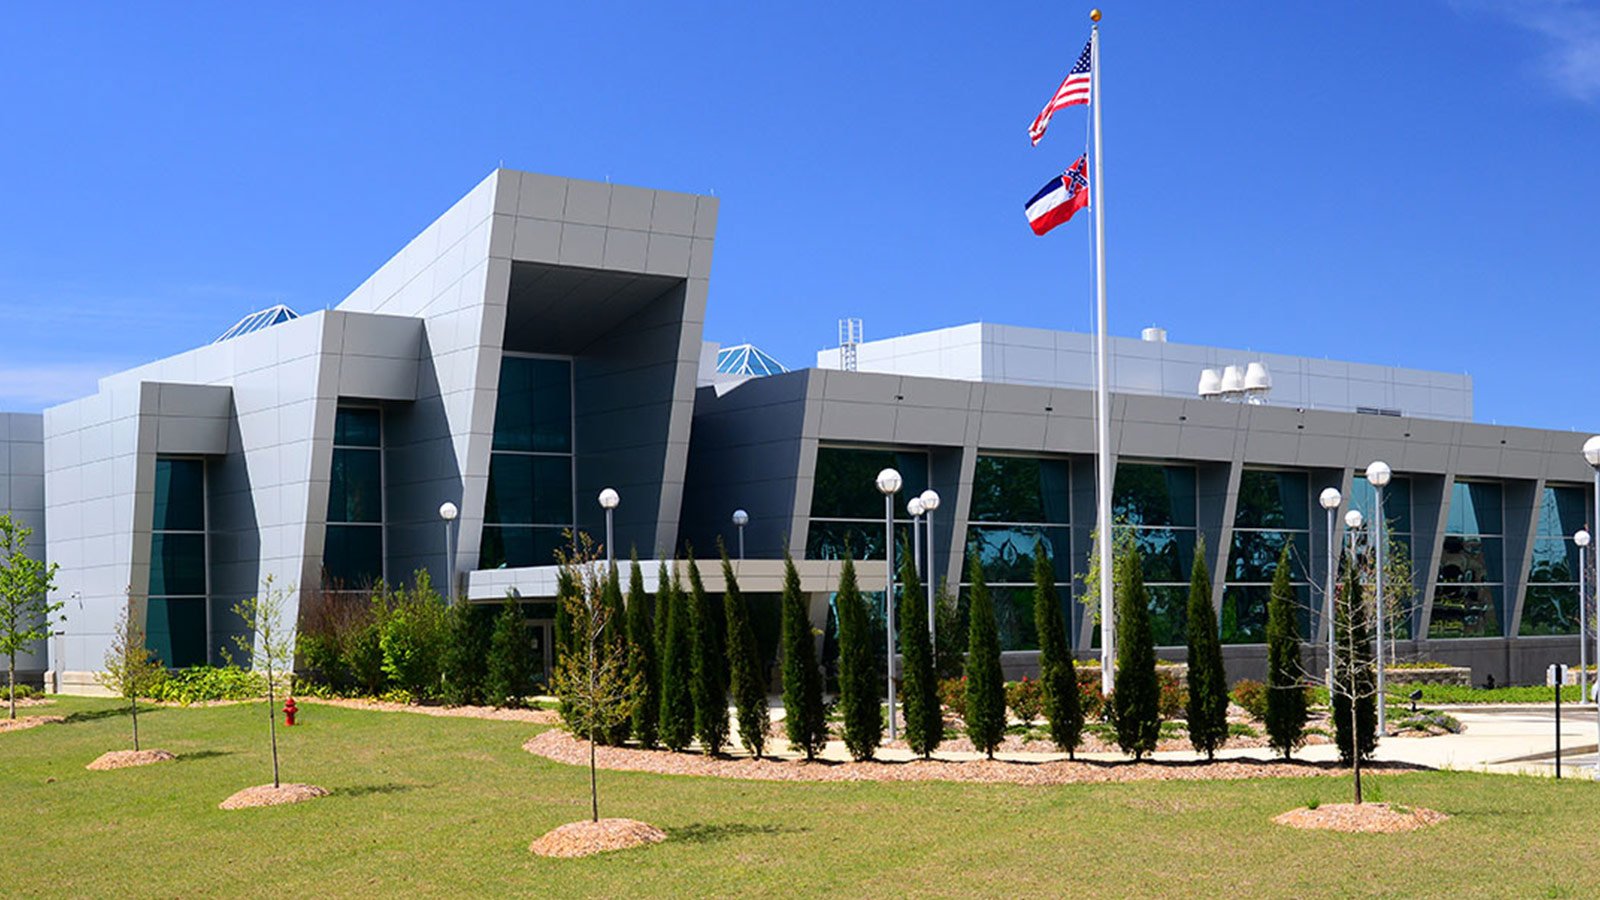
(435,806)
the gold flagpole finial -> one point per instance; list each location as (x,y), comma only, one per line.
(1094,15)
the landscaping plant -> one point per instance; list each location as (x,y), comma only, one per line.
(745,679)
(1286,696)
(1136,694)
(511,666)
(1058,672)
(1207,709)
(986,689)
(805,719)
(269,645)
(708,685)
(465,658)
(25,605)
(677,698)
(131,670)
(859,700)
(646,662)
(615,637)
(950,632)
(414,636)
(1355,683)
(595,680)
(919,687)
(1025,698)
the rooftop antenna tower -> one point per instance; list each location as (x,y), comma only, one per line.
(849,339)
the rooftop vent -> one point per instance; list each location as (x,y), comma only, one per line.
(261,318)
(1154,335)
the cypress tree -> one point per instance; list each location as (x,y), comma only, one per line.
(919,687)
(645,664)
(1286,696)
(858,673)
(950,633)
(986,685)
(1207,709)
(465,661)
(659,624)
(511,665)
(1355,711)
(615,636)
(708,685)
(1058,671)
(749,689)
(566,586)
(805,719)
(677,700)
(1136,699)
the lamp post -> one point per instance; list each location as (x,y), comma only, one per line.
(608,502)
(889,484)
(1352,523)
(1582,540)
(448,512)
(1378,475)
(1330,500)
(930,502)
(914,508)
(741,519)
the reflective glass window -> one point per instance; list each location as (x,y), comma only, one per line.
(1469,589)
(1020,503)
(519,546)
(1154,495)
(352,556)
(355,490)
(846,482)
(175,628)
(358,426)
(1465,611)
(1020,489)
(533,412)
(180,494)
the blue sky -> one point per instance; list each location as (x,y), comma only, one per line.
(1412,183)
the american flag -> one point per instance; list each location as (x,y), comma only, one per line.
(1073,91)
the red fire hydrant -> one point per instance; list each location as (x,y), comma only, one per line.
(289,709)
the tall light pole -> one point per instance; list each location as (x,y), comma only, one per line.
(1352,523)
(448,512)
(914,509)
(930,502)
(1330,500)
(1378,475)
(609,499)
(889,484)
(1582,540)
(1591,455)
(741,519)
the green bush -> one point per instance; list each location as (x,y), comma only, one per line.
(805,719)
(204,684)
(676,721)
(1172,698)
(363,652)
(986,690)
(1251,695)
(919,695)
(1136,694)
(859,701)
(953,696)
(466,652)
(24,691)
(511,666)
(1025,698)
(414,637)
(1206,707)
(1090,695)
(1286,696)
(1058,672)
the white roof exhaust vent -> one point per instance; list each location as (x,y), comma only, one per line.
(1154,335)
(1210,383)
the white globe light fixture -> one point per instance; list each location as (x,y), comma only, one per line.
(1378,475)
(609,501)
(1353,519)
(1330,498)
(915,510)
(930,502)
(889,483)
(448,512)
(741,519)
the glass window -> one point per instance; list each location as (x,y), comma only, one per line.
(1154,495)
(1273,512)
(1157,502)
(1471,574)
(1254,558)
(358,426)
(180,495)
(1006,551)
(1549,609)
(1020,489)
(515,547)
(846,482)
(1272,500)
(177,563)
(1465,611)
(355,491)
(534,411)
(1018,504)
(529,490)
(1396,501)
(175,630)
(1475,508)
(352,556)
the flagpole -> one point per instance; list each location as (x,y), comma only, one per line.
(1102,379)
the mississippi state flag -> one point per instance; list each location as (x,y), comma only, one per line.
(1057,201)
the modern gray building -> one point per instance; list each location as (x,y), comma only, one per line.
(542,340)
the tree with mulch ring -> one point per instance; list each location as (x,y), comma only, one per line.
(1058,671)
(805,719)
(986,686)
(744,664)
(269,645)
(1207,706)
(25,605)
(1371,818)
(130,670)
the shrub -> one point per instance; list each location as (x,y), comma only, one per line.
(920,687)
(1354,701)
(615,638)
(508,676)
(1058,672)
(1286,697)
(950,633)
(986,689)
(953,696)
(646,663)
(859,701)
(677,700)
(24,691)
(1090,696)
(708,666)
(744,665)
(1136,700)
(465,661)
(1251,695)
(1172,698)
(1206,708)
(204,684)
(362,651)
(805,718)
(1025,699)
(413,637)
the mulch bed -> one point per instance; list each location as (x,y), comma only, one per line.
(533,716)
(21,722)
(561,747)
(267,795)
(588,838)
(123,759)
(1372,818)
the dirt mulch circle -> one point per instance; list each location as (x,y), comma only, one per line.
(267,795)
(532,716)
(561,747)
(588,838)
(1372,818)
(123,759)
(28,701)
(21,722)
